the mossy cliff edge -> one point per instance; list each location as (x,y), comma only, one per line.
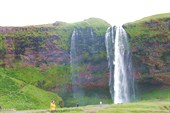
(150,46)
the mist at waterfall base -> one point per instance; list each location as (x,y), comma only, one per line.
(121,80)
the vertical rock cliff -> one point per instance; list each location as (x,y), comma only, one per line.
(150,45)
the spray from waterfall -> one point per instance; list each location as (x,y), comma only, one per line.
(121,81)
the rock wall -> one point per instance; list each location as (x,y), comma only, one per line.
(150,44)
(34,51)
(91,59)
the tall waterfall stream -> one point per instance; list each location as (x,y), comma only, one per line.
(121,81)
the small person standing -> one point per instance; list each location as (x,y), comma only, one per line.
(52,106)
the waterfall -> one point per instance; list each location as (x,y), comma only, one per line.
(74,61)
(72,50)
(121,81)
(109,41)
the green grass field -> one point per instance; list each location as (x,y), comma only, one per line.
(139,107)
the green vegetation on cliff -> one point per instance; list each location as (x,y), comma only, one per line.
(59,29)
(1,42)
(149,39)
(152,29)
(155,17)
(98,25)
(45,78)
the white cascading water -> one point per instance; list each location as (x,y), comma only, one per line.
(74,62)
(123,81)
(109,42)
(78,93)
(72,49)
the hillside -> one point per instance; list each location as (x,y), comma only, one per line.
(40,56)
(16,94)
(150,45)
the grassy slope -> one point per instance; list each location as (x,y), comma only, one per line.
(43,78)
(19,95)
(157,16)
(99,26)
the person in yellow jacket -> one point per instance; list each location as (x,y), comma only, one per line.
(52,106)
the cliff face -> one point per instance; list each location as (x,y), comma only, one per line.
(34,46)
(47,44)
(33,51)
(89,59)
(40,55)
(150,45)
